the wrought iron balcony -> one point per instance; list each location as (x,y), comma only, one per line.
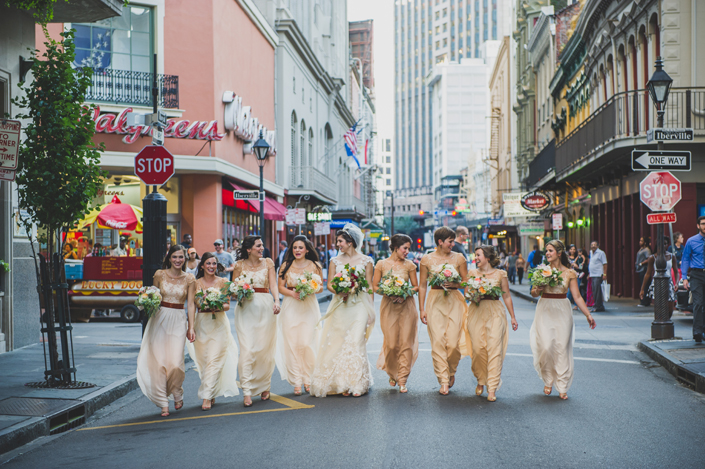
(544,162)
(624,121)
(129,87)
(312,179)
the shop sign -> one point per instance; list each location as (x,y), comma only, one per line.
(109,285)
(239,119)
(512,205)
(110,123)
(319,216)
(495,221)
(321,228)
(9,143)
(531,229)
(535,201)
(300,215)
(7,174)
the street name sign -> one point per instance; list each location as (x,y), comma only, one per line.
(660,135)
(246,195)
(649,160)
(9,143)
(154,165)
(655,218)
(660,191)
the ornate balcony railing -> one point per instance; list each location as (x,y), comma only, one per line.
(544,162)
(628,115)
(128,87)
(310,178)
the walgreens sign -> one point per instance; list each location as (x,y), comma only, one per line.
(244,125)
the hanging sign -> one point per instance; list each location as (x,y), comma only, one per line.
(557,221)
(535,201)
(9,143)
(300,216)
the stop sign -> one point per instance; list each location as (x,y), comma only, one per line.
(154,165)
(660,191)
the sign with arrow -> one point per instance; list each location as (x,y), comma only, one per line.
(9,143)
(650,160)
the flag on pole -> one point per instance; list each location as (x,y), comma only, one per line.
(350,138)
(367,142)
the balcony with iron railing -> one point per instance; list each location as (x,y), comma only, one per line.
(132,88)
(622,122)
(542,164)
(308,178)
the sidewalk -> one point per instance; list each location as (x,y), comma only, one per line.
(682,358)
(105,355)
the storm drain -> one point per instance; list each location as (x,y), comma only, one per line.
(62,414)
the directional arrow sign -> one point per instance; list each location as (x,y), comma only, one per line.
(649,160)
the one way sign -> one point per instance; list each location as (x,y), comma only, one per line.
(650,160)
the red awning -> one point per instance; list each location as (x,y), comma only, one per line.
(273,210)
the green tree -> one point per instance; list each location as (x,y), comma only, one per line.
(42,10)
(404,224)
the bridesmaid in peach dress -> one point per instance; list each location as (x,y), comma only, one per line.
(487,324)
(297,337)
(445,310)
(553,329)
(255,320)
(160,363)
(398,317)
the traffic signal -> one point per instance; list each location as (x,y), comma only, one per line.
(421,212)
(418,243)
(454,213)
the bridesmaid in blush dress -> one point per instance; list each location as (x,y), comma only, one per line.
(160,363)
(398,317)
(297,337)
(487,324)
(552,332)
(255,320)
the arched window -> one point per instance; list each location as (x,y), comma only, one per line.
(302,148)
(293,147)
(329,162)
(310,147)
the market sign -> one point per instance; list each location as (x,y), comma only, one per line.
(535,201)
(9,143)
(512,206)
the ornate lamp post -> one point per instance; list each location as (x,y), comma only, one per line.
(662,328)
(261,149)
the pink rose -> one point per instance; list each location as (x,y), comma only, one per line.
(447,273)
(339,274)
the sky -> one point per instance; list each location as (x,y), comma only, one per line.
(382,13)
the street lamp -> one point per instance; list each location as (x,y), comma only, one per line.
(662,326)
(261,149)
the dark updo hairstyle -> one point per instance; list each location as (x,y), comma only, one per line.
(289,258)
(560,249)
(490,254)
(248,242)
(346,236)
(201,272)
(167,260)
(398,240)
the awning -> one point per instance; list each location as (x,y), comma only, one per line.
(273,210)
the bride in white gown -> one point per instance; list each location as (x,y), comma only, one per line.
(342,366)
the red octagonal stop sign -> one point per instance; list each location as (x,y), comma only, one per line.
(660,191)
(154,165)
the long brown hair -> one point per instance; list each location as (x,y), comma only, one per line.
(490,254)
(166,264)
(289,258)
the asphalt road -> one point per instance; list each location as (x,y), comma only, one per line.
(623,411)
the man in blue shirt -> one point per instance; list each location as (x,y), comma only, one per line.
(693,270)
(534,258)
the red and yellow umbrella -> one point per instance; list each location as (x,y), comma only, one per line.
(115,215)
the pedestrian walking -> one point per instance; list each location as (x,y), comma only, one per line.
(398,316)
(642,259)
(445,311)
(160,363)
(462,234)
(255,320)
(187,241)
(215,349)
(487,324)
(224,258)
(535,257)
(647,285)
(581,269)
(521,265)
(332,252)
(342,366)
(551,335)
(297,334)
(193,261)
(598,261)
(283,245)
(693,265)
(512,267)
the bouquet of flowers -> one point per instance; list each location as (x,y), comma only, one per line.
(212,299)
(478,287)
(241,289)
(545,276)
(447,273)
(393,286)
(308,284)
(149,299)
(350,280)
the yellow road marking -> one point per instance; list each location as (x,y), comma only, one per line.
(290,403)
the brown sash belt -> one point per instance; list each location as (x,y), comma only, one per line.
(441,288)
(291,288)
(488,298)
(172,305)
(261,290)
(554,296)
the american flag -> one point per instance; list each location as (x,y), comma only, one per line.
(350,138)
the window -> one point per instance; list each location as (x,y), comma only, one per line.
(389,182)
(389,171)
(120,43)
(302,145)
(310,146)
(389,160)
(293,139)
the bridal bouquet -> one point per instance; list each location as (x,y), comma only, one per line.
(241,289)
(149,299)
(478,287)
(393,286)
(447,273)
(350,280)
(308,284)
(545,276)
(212,299)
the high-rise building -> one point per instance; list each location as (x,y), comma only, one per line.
(430,32)
(361,45)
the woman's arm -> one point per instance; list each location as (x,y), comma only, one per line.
(369,276)
(281,283)
(580,303)
(331,274)
(507,297)
(273,288)
(191,334)
(376,278)
(423,270)
(647,277)
(412,278)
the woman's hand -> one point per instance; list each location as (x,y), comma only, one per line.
(422,315)
(344,296)
(641,294)
(191,334)
(295,295)
(515,324)
(277,309)
(591,321)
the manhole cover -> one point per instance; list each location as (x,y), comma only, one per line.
(34,407)
(685,354)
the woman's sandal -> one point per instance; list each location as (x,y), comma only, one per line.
(346,394)
(402,388)
(547,390)
(357,394)
(212,402)
(307,387)
(492,397)
(179,405)
(479,390)
(392,382)
(165,413)
(247,401)
(264,396)
(563,396)
(203,406)
(451,382)
(297,391)
(444,390)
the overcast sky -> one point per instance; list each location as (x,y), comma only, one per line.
(382,12)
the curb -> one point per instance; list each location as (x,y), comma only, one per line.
(523,295)
(681,373)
